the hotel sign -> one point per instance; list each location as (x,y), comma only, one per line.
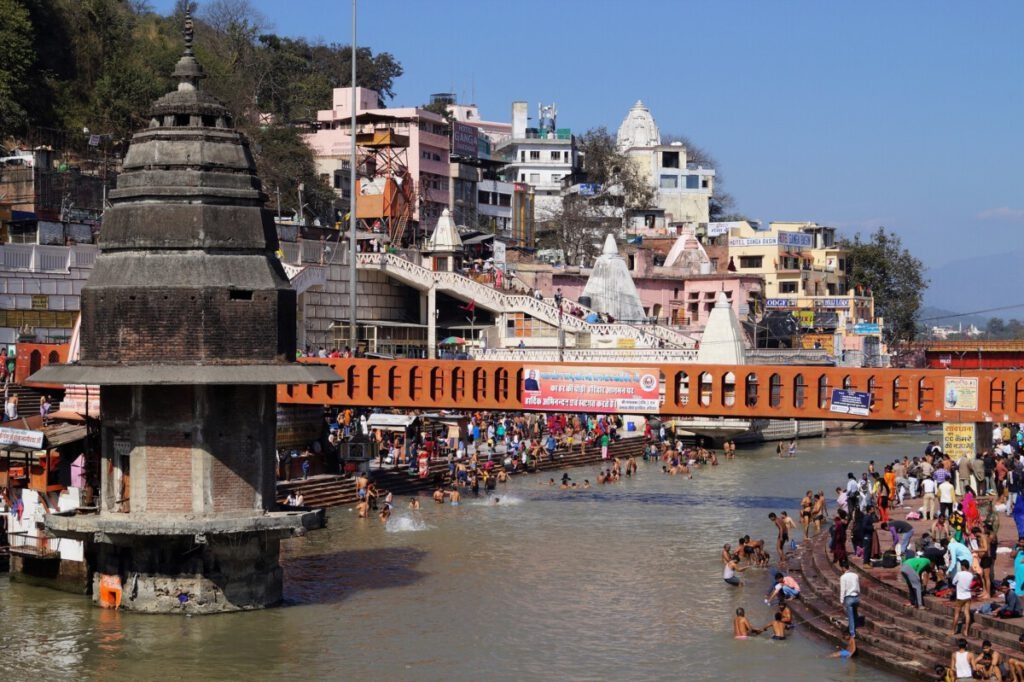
(787,239)
(464,140)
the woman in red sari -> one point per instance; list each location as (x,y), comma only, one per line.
(838,541)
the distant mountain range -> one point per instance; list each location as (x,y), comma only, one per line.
(930,316)
(978,283)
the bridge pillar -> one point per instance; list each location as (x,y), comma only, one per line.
(432,323)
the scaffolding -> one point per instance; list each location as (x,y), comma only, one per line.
(386,188)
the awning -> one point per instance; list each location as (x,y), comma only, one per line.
(390,422)
(479,239)
(62,434)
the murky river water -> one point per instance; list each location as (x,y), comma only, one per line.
(617,582)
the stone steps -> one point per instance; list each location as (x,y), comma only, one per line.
(880,640)
(909,640)
(336,491)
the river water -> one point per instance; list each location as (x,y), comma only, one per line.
(621,581)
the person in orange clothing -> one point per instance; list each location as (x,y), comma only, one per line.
(881,492)
(890,480)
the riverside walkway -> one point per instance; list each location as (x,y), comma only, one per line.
(897,636)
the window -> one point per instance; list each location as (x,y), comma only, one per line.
(556,156)
(787,287)
(534,178)
(669,181)
(504,200)
(483,197)
(535,156)
(670,159)
(522,177)
(692,182)
(522,156)
(749,262)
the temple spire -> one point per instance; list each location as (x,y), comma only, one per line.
(188,70)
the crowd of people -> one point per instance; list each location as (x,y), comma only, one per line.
(944,543)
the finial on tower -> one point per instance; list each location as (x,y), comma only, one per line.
(189,31)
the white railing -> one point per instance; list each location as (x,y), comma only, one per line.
(501,301)
(305,277)
(609,355)
(40,258)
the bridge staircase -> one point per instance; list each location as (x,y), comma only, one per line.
(498,301)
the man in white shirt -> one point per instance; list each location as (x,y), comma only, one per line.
(962,582)
(947,498)
(849,594)
(931,505)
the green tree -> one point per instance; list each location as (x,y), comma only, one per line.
(895,277)
(996,328)
(17,56)
(284,162)
(620,179)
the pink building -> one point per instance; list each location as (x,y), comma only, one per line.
(425,160)
(676,282)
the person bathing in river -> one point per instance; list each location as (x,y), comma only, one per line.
(732,567)
(741,627)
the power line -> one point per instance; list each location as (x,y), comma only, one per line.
(974,312)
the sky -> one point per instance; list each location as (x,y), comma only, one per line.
(908,115)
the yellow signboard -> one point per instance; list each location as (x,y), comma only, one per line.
(958,440)
(40,302)
(625,343)
(961,393)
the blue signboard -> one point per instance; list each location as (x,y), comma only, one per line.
(851,402)
(867,328)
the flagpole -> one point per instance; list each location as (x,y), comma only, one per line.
(352,278)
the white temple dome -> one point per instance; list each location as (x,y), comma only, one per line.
(638,129)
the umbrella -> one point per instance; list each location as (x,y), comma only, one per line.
(453,341)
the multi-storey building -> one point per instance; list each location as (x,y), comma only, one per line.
(539,156)
(683,189)
(420,149)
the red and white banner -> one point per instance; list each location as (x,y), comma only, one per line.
(605,390)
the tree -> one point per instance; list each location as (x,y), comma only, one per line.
(895,277)
(284,161)
(996,328)
(721,205)
(16,59)
(620,180)
(577,229)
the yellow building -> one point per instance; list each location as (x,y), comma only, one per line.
(795,259)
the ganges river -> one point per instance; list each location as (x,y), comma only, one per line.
(620,582)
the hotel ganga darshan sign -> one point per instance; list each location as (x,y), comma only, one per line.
(604,390)
(789,239)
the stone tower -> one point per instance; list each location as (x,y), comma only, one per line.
(188,325)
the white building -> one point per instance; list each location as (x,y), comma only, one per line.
(683,189)
(539,156)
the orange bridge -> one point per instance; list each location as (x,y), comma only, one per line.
(691,390)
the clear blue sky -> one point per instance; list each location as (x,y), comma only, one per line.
(906,114)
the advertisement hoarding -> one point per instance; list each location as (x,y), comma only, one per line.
(603,390)
(850,402)
(961,393)
(464,140)
(22,437)
(958,440)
